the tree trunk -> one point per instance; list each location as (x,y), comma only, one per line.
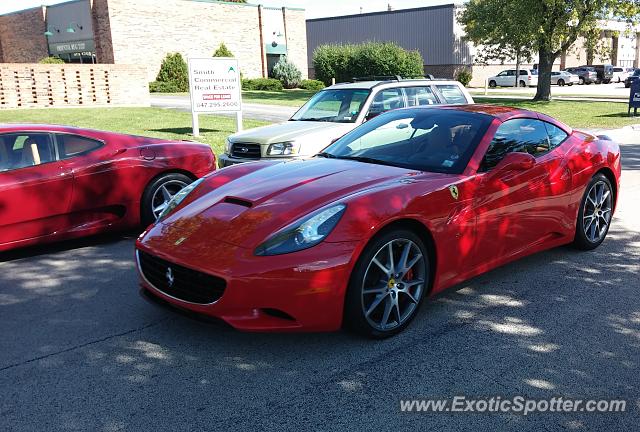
(517,84)
(543,93)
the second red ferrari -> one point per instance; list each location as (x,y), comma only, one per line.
(60,182)
(406,205)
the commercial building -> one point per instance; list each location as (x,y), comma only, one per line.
(144,31)
(435,32)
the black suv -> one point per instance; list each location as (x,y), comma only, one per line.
(633,76)
(586,74)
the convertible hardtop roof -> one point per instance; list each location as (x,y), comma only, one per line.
(500,112)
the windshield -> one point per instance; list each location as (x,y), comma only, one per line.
(425,139)
(338,106)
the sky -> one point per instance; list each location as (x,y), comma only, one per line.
(314,8)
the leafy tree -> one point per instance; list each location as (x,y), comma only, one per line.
(498,28)
(554,25)
(344,62)
(174,70)
(287,73)
(223,51)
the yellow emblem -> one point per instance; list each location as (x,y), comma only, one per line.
(454,191)
(179,241)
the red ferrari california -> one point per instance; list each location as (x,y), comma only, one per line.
(404,206)
(61,182)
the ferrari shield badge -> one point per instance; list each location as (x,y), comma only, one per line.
(454,191)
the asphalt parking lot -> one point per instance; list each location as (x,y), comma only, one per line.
(81,350)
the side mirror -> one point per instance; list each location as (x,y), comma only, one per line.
(516,161)
(372,114)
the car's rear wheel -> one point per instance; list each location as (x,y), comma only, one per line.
(581,81)
(158,193)
(595,213)
(561,82)
(523,84)
(493,84)
(388,284)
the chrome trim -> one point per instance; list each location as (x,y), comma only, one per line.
(164,293)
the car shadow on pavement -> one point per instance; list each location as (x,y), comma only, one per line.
(560,323)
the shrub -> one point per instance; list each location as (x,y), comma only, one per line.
(287,73)
(344,62)
(51,60)
(163,87)
(223,51)
(174,70)
(315,85)
(268,84)
(464,76)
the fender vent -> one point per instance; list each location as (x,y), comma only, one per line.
(238,201)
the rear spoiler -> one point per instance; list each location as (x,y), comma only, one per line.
(604,137)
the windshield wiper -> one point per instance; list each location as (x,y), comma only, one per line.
(318,119)
(326,155)
(366,160)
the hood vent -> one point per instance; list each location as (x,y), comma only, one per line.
(238,201)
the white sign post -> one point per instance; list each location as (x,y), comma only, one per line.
(214,87)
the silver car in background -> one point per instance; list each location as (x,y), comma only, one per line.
(562,78)
(334,111)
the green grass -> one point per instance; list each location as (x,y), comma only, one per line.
(295,98)
(154,122)
(579,114)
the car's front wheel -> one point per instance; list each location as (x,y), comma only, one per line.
(595,213)
(388,284)
(158,193)
(561,82)
(493,84)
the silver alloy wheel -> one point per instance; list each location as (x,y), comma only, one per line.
(393,284)
(596,213)
(163,195)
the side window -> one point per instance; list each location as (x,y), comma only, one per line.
(386,100)
(518,135)
(417,96)
(74,145)
(511,73)
(556,135)
(452,94)
(503,73)
(21,150)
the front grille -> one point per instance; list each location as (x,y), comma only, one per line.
(180,282)
(245,150)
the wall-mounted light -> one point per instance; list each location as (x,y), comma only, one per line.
(73,26)
(49,32)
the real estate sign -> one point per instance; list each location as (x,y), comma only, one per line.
(214,87)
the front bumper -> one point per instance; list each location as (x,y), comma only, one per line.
(301,291)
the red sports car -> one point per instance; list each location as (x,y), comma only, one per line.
(60,182)
(406,205)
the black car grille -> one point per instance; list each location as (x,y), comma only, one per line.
(245,150)
(188,285)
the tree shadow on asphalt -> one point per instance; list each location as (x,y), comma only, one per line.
(560,323)
(631,156)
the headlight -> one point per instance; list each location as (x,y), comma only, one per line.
(304,233)
(283,149)
(227,146)
(178,198)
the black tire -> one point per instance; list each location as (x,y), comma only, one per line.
(584,239)
(147,216)
(493,84)
(523,84)
(581,81)
(561,82)
(355,317)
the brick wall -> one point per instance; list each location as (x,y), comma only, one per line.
(144,31)
(24,85)
(22,36)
